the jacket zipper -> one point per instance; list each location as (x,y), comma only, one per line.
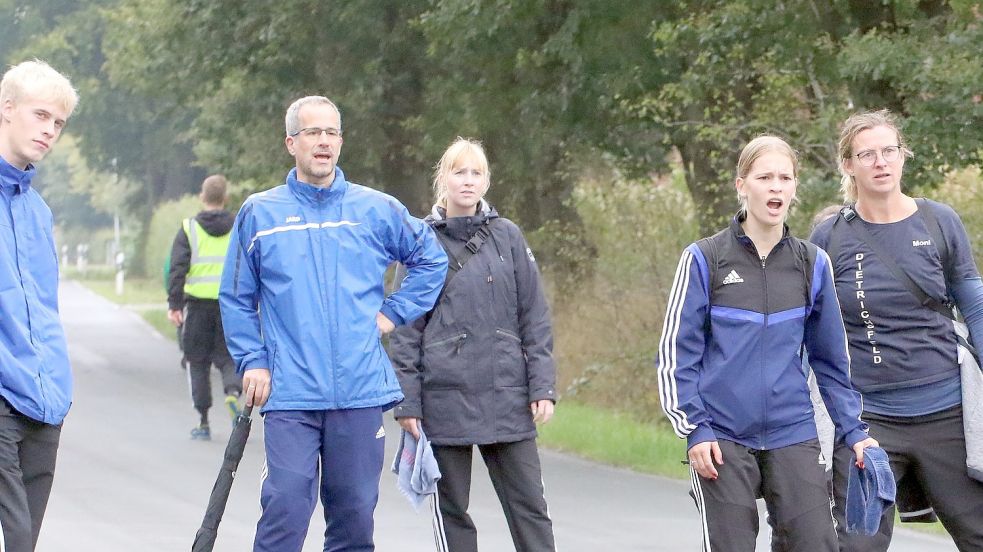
(764,333)
(459,338)
(509,335)
(325,290)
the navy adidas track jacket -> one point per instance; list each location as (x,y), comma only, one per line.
(730,364)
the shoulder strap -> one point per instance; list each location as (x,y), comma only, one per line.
(927,212)
(805,255)
(709,249)
(849,214)
(455,262)
(833,243)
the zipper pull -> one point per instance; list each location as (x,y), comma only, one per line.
(457,348)
(763,261)
(489,279)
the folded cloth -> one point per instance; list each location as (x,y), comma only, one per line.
(415,468)
(870,491)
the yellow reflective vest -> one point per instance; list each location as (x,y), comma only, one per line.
(207,259)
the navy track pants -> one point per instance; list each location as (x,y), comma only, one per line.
(344,447)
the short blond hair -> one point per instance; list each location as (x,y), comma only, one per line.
(215,190)
(459,148)
(758,147)
(37,80)
(854,125)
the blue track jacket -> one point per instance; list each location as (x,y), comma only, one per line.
(35,377)
(303,282)
(732,368)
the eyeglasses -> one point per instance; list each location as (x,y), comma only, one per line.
(890,154)
(313,132)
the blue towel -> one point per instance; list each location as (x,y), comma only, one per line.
(415,468)
(870,491)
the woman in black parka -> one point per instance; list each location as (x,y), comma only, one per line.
(478,369)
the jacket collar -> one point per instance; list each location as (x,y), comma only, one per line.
(310,193)
(440,213)
(738,231)
(462,228)
(11,176)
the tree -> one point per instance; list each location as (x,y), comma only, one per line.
(240,64)
(723,72)
(118,130)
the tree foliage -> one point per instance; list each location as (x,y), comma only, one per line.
(554,88)
(723,72)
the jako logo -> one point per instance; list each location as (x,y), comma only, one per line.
(293,219)
(919,243)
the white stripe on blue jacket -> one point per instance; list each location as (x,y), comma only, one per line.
(303,283)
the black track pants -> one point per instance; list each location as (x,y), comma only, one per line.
(517,477)
(932,449)
(793,484)
(204,345)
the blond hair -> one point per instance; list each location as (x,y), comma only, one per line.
(214,190)
(459,148)
(854,125)
(758,147)
(37,80)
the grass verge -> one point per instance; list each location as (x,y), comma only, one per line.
(136,291)
(616,439)
(158,319)
(145,293)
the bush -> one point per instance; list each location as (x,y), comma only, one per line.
(608,326)
(164,226)
(963,190)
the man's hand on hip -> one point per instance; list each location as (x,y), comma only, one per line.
(385,325)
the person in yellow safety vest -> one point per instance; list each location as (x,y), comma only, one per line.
(197,257)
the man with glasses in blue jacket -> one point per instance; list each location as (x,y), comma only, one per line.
(304,310)
(35,376)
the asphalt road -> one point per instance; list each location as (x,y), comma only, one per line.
(129,478)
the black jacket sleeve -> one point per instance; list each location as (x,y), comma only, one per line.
(180,264)
(535,325)
(406,353)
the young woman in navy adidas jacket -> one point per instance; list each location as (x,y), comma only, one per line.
(904,354)
(478,369)
(744,304)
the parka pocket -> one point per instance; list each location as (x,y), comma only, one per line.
(510,361)
(443,362)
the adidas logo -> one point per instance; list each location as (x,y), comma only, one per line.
(733,278)
(381,433)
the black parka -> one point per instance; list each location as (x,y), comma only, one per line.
(471,367)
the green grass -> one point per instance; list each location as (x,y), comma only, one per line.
(932,528)
(147,293)
(616,439)
(158,319)
(136,291)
